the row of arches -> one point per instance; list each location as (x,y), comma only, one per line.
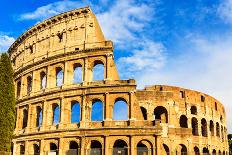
(120,147)
(98,72)
(182,149)
(120,112)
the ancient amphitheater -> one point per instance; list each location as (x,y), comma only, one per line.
(63,109)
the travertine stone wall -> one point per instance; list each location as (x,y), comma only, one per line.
(159,117)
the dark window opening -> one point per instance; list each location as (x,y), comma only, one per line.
(193,110)
(202,98)
(29,84)
(96,148)
(194,126)
(120,148)
(183,121)
(204,128)
(211,127)
(38,116)
(36,149)
(161,113)
(182,94)
(60,36)
(18,89)
(25,118)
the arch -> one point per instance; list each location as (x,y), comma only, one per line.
(224,153)
(53,147)
(22,149)
(36,149)
(59,76)
(144,147)
(222,133)
(204,127)
(211,127)
(194,126)
(56,114)
(219,152)
(161,113)
(73,145)
(77,73)
(193,110)
(214,152)
(183,149)
(29,84)
(25,118)
(144,112)
(43,80)
(166,148)
(98,70)
(95,147)
(205,151)
(75,112)
(120,147)
(39,116)
(120,109)
(18,88)
(217,130)
(221,119)
(97,110)
(183,121)
(196,151)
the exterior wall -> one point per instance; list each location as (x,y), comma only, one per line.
(41,50)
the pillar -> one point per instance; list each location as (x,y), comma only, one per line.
(83,108)
(132,111)
(44,119)
(132,146)
(63,120)
(107,107)
(106,141)
(42,146)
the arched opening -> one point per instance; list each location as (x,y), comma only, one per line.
(222,133)
(43,80)
(98,71)
(36,149)
(219,152)
(120,110)
(196,151)
(214,152)
(166,148)
(205,151)
(73,148)
(211,128)
(22,150)
(39,116)
(193,110)
(217,130)
(221,119)
(75,112)
(144,147)
(224,153)
(59,76)
(120,147)
(18,88)
(183,149)
(194,126)
(53,148)
(56,114)
(97,110)
(183,121)
(25,118)
(77,73)
(204,127)
(161,113)
(144,112)
(95,148)
(29,84)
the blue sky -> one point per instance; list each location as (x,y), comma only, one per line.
(183,43)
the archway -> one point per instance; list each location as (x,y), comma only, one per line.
(39,116)
(204,127)
(144,112)
(161,113)
(29,84)
(120,110)
(211,126)
(56,114)
(120,147)
(22,150)
(183,121)
(75,112)
(194,126)
(144,147)
(36,149)
(77,73)
(97,110)
(217,130)
(214,152)
(25,118)
(193,110)
(196,150)
(73,148)
(43,80)
(95,148)
(53,148)
(205,151)
(59,76)
(98,71)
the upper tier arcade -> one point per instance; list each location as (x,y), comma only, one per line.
(72,31)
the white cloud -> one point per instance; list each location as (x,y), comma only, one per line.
(5,42)
(225,10)
(204,64)
(124,20)
(151,55)
(51,9)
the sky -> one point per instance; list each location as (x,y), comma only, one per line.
(181,43)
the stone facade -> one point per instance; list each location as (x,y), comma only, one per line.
(160,119)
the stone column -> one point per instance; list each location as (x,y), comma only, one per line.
(107,66)
(26,148)
(106,141)
(107,107)
(83,105)
(132,146)
(60,146)
(44,117)
(42,145)
(132,111)
(83,149)
(86,72)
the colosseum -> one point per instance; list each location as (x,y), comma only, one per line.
(71,101)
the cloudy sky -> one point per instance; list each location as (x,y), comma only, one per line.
(187,44)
